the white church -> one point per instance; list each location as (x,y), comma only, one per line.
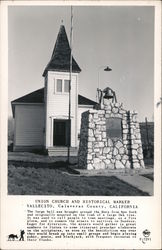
(42,117)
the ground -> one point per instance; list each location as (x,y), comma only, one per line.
(33,174)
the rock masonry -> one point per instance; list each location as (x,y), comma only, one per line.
(98,151)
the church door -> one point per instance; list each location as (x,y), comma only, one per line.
(61,133)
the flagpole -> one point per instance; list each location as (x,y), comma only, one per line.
(70,78)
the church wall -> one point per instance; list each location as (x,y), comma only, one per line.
(29,125)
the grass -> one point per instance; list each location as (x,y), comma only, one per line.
(27,178)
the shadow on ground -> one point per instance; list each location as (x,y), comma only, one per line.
(27,178)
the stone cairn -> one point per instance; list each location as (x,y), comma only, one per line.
(98,151)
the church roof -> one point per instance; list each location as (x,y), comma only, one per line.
(60,60)
(38,97)
(33,97)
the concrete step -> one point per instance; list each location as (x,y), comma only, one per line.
(62,151)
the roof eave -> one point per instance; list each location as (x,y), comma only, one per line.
(59,70)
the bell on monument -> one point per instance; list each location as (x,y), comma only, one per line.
(108,93)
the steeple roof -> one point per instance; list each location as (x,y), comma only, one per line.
(60,60)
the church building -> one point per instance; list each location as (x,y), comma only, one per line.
(42,117)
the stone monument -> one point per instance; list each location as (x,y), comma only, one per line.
(110,136)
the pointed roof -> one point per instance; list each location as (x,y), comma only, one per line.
(60,60)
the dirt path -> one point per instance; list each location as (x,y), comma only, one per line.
(138,181)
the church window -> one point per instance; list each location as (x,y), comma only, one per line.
(114,128)
(66,86)
(59,85)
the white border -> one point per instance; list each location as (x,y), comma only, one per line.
(152,204)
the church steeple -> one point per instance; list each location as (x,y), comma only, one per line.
(60,60)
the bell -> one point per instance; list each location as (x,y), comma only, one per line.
(109,94)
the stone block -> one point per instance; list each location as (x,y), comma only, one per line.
(97,132)
(118,144)
(106,150)
(96,166)
(95,144)
(101,112)
(110,166)
(97,155)
(132,131)
(134,152)
(91,125)
(110,143)
(107,162)
(115,151)
(104,135)
(137,125)
(138,136)
(125,126)
(115,110)
(140,156)
(133,137)
(98,138)
(90,132)
(100,117)
(128,164)
(139,150)
(98,127)
(96,160)
(124,162)
(125,131)
(101,144)
(142,164)
(101,122)
(122,150)
(109,156)
(89,166)
(102,157)
(135,146)
(124,122)
(102,165)
(137,142)
(117,115)
(96,150)
(113,160)
(90,117)
(118,157)
(122,111)
(136,165)
(103,128)
(108,111)
(101,150)
(134,157)
(95,116)
(89,157)
(124,137)
(125,157)
(89,144)
(92,111)
(117,105)
(91,139)
(119,164)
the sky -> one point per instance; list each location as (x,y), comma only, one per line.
(121,37)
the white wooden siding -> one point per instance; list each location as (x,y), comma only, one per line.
(57,106)
(29,125)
